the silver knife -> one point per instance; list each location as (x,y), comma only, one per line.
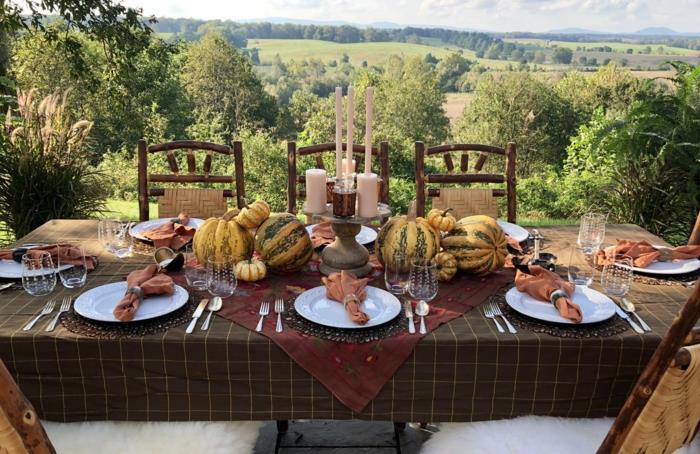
(197,313)
(623,314)
(409,315)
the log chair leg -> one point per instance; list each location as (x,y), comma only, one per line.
(399,426)
(282,426)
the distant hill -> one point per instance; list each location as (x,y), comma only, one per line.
(657,31)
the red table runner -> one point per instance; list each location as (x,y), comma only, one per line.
(354,373)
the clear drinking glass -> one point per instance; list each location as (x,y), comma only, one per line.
(195,274)
(38,274)
(591,233)
(221,280)
(105,233)
(581,265)
(121,241)
(396,274)
(423,280)
(74,274)
(617,276)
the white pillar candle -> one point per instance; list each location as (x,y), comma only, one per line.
(315,191)
(351,130)
(367,194)
(351,168)
(338,132)
(368,130)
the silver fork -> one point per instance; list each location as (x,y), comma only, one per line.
(65,307)
(279,308)
(497,311)
(264,310)
(489,314)
(48,308)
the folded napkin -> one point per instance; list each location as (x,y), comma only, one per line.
(322,234)
(173,234)
(150,282)
(541,283)
(70,255)
(346,288)
(643,254)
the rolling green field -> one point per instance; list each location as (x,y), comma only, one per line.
(616,46)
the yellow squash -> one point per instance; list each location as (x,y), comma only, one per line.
(478,243)
(446,266)
(223,239)
(413,238)
(442,220)
(283,243)
(251,216)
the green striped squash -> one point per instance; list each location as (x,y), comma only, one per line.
(413,238)
(478,243)
(283,243)
(223,240)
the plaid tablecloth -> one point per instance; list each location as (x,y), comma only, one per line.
(463,371)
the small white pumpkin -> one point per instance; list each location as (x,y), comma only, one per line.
(250,270)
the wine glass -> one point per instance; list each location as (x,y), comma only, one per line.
(617,276)
(221,280)
(396,274)
(591,232)
(72,274)
(581,265)
(38,274)
(423,286)
(195,275)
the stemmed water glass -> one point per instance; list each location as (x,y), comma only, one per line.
(423,286)
(221,279)
(591,232)
(38,274)
(72,274)
(396,274)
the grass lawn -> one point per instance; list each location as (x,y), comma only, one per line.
(616,46)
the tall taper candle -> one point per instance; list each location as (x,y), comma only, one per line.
(368,130)
(351,130)
(338,133)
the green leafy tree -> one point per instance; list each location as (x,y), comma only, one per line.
(220,80)
(562,55)
(449,71)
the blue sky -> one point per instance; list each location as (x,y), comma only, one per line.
(496,15)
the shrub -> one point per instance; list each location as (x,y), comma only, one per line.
(44,168)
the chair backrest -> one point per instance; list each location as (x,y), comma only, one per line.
(358,151)
(20,426)
(191,176)
(669,354)
(464,175)
(695,234)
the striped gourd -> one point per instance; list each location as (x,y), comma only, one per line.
(478,243)
(283,243)
(222,239)
(412,238)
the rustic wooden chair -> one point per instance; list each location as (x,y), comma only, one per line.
(20,428)
(662,412)
(463,206)
(358,153)
(695,234)
(199,203)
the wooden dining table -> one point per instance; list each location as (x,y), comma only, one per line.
(463,371)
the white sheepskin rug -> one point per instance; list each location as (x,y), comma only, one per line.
(111,437)
(526,435)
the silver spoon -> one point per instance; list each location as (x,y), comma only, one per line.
(213,306)
(628,306)
(422,310)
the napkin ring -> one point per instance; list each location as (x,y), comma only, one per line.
(136,291)
(556,295)
(351,297)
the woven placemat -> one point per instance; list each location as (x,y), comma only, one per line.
(352,336)
(142,247)
(104,330)
(686,279)
(610,327)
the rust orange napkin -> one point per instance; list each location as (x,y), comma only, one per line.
(643,253)
(172,234)
(69,254)
(340,285)
(540,284)
(150,282)
(322,234)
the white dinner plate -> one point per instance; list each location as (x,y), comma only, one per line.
(514,231)
(672,267)
(9,269)
(366,235)
(380,306)
(595,307)
(138,229)
(98,303)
